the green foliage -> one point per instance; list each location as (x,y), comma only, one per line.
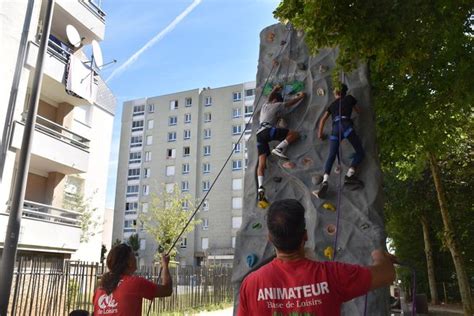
(166,218)
(103,251)
(134,242)
(116,242)
(89,224)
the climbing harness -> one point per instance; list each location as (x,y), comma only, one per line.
(221,170)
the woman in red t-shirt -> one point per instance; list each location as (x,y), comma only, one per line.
(120,292)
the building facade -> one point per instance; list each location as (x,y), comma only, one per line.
(182,140)
(72,134)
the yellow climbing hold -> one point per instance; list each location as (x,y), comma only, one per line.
(329,252)
(329,206)
(263,204)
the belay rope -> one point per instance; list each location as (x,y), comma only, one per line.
(289,28)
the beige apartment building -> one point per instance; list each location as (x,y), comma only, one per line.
(183,139)
(73,129)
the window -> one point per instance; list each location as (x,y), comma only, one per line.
(236,112)
(172,136)
(249,92)
(149,139)
(206,185)
(172,120)
(233,242)
(207,117)
(206,167)
(204,243)
(236,184)
(236,203)
(173,104)
(207,150)
(150,124)
(188,102)
(236,96)
(185,168)
(236,147)
(236,164)
(208,101)
(130,223)
(146,172)
(207,133)
(132,190)
(205,223)
(183,243)
(187,134)
(185,205)
(144,207)
(137,126)
(146,189)
(184,186)
(236,221)
(169,187)
(134,174)
(246,163)
(139,110)
(248,110)
(142,244)
(131,208)
(147,156)
(170,153)
(187,118)
(170,170)
(205,205)
(186,151)
(248,128)
(135,157)
(151,108)
(136,141)
(236,129)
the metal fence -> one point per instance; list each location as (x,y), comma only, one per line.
(57,287)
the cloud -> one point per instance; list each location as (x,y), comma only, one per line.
(154,40)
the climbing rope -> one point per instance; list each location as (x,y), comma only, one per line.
(289,29)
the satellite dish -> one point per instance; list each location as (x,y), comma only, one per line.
(97,54)
(73,36)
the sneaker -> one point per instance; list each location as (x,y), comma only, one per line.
(352,180)
(323,189)
(278,152)
(262,200)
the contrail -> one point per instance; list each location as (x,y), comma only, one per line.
(154,40)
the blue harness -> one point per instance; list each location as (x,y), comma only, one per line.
(346,130)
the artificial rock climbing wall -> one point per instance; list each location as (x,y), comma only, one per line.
(361,227)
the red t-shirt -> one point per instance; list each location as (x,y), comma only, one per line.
(126,299)
(302,287)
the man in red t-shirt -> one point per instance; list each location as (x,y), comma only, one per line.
(294,285)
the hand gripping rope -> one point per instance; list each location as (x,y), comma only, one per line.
(289,28)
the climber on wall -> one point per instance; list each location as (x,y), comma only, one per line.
(342,127)
(271,111)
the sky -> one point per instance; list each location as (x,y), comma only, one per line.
(166,46)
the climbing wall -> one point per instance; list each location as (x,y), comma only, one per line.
(361,227)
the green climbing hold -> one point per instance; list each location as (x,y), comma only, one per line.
(256,226)
(267,89)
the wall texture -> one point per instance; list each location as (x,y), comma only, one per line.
(361,227)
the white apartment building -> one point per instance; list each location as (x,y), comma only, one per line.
(184,139)
(73,129)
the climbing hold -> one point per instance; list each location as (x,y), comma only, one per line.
(329,206)
(282,123)
(270,37)
(303,136)
(323,68)
(299,33)
(252,260)
(256,225)
(331,229)
(267,89)
(364,226)
(275,62)
(328,252)
(307,162)
(301,66)
(263,204)
(320,92)
(297,86)
(316,179)
(289,165)
(277,179)
(337,170)
(282,43)
(270,54)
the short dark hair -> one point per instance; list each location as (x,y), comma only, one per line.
(286,224)
(275,96)
(341,89)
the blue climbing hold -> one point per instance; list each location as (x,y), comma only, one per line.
(252,260)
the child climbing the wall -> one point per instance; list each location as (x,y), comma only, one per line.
(342,127)
(271,111)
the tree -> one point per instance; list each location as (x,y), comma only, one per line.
(134,242)
(420,56)
(103,251)
(89,224)
(167,215)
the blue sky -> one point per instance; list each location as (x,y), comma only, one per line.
(215,45)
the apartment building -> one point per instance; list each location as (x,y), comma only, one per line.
(183,139)
(72,132)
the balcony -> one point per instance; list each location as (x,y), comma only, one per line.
(55,148)
(46,228)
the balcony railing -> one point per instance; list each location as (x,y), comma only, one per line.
(59,49)
(52,214)
(55,130)
(94,7)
